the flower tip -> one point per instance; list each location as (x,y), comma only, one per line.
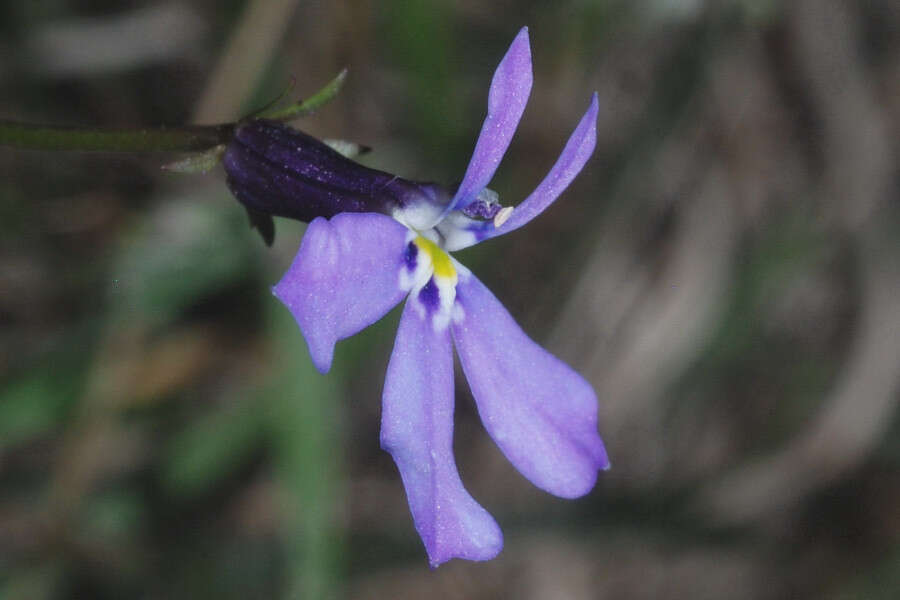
(604,465)
(321,352)
(321,348)
(487,549)
(577,488)
(579,476)
(521,42)
(322,366)
(518,58)
(594,106)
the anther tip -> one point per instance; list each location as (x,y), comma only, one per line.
(502,216)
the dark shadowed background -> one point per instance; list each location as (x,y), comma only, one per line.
(726,272)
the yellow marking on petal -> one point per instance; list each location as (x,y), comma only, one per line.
(440,260)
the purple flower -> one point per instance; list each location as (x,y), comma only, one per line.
(353,268)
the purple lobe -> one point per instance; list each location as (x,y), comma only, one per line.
(344,278)
(417,430)
(507,98)
(541,413)
(576,153)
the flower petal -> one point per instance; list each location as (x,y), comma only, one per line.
(541,413)
(573,158)
(344,278)
(507,98)
(417,430)
(576,153)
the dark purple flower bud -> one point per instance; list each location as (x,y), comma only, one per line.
(275,170)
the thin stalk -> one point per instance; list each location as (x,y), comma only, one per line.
(193,138)
(311,104)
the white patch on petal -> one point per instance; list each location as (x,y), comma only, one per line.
(458,314)
(433,264)
(413,281)
(417,304)
(433,235)
(447,296)
(456,229)
(419,216)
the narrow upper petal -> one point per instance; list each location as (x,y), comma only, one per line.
(573,158)
(344,278)
(507,98)
(540,412)
(417,429)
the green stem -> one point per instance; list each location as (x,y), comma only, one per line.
(310,105)
(193,138)
(163,139)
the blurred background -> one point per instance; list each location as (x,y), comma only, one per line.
(726,272)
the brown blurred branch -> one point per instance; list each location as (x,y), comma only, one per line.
(857,174)
(246,57)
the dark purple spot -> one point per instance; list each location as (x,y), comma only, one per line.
(429,296)
(412,251)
